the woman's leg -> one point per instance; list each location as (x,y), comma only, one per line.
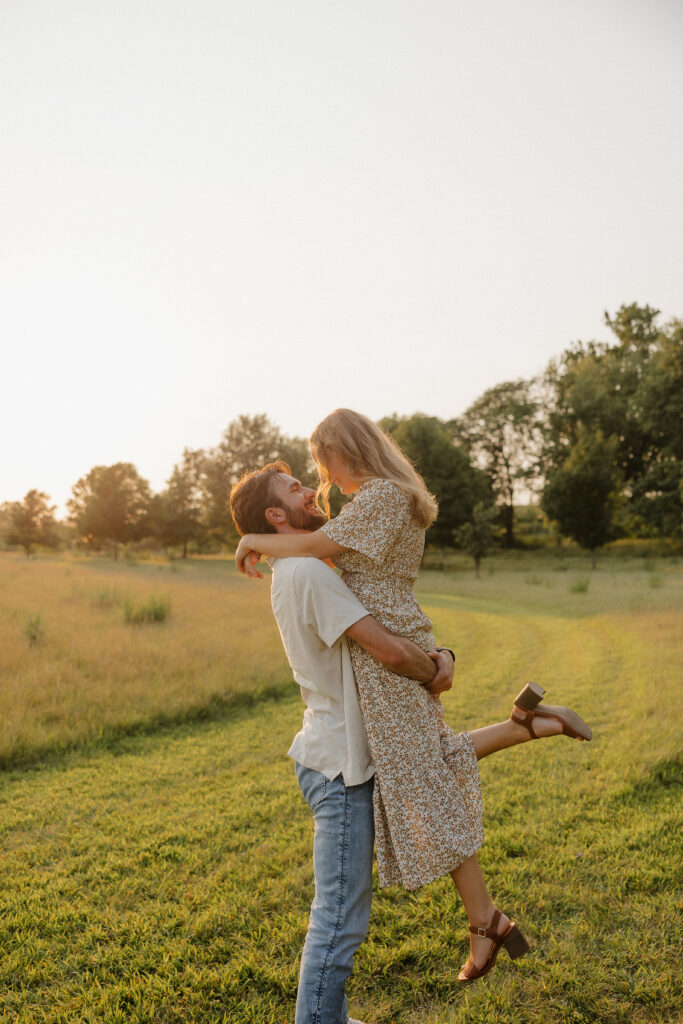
(491,738)
(479,907)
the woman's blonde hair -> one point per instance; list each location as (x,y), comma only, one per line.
(368,453)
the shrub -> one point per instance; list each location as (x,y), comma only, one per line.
(580,586)
(106,598)
(155,609)
(33,630)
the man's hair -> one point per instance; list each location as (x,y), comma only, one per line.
(252,495)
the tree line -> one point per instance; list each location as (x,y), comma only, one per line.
(597,438)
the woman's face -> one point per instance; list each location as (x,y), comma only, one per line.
(340,475)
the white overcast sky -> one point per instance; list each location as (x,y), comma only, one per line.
(210,208)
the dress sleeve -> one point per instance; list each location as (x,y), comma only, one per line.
(372,521)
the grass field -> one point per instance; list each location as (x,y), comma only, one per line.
(90,675)
(155,862)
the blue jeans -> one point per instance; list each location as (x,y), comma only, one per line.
(342,864)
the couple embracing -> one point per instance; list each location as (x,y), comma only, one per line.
(374,759)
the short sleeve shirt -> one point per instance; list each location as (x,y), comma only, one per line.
(313,609)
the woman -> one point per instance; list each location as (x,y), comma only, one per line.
(428,812)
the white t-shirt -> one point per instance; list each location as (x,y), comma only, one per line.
(313,609)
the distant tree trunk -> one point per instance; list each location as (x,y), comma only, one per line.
(593,562)
(116,551)
(508,517)
(477,563)
(185,548)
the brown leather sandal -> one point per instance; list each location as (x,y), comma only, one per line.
(512,938)
(525,708)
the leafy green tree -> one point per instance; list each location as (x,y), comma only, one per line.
(177,511)
(632,391)
(656,501)
(247,443)
(659,394)
(111,504)
(445,468)
(5,521)
(480,535)
(657,495)
(294,451)
(597,387)
(582,495)
(32,522)
(502,433)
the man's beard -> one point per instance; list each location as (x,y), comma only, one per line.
(305,519)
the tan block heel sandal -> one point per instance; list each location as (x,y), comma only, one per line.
(512,939)
(525,708)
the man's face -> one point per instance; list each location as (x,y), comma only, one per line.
(298,503)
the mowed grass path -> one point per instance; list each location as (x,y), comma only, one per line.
(167,877)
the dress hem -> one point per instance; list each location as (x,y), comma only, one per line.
(433,877)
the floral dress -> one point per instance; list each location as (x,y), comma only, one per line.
(427,798)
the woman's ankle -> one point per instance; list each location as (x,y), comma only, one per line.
(482,917)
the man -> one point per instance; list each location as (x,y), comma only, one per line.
(315,612)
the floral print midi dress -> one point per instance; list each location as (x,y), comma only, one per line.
(427,797)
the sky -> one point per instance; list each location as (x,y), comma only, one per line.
(286,206)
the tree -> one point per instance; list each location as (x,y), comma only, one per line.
(632,391)
(32,522)
(177,511)
(582,494)
(111,503)
(502,432)
(247,443)
(657,495)
(5,521)
(445,468)
(479,536)
(657,500)
(597,388)
(295,452)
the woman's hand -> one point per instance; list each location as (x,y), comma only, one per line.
(247,557)
(443,680)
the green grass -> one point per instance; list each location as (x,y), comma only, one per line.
(154,609)
(93,677)
(165,876)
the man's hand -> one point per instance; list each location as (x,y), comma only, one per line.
(246,559)
(443,680)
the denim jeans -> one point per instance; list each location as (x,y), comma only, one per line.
(342,864)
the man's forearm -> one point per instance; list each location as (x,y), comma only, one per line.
(397,653)
(415,663)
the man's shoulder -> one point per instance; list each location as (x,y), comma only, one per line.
(304,571)
(311,594)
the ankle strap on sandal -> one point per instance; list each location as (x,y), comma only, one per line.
(492,931)
(524,717)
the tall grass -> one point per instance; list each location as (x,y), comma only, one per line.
(34,629)
(154,609)
(92,675)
